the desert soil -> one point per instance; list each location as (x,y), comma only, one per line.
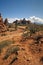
(27,55)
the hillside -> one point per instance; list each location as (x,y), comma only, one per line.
(21,44)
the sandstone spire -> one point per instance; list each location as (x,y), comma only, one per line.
(2,26)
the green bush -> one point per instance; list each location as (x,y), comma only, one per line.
(32,30)
(5,43)
(25,36)
(10,51)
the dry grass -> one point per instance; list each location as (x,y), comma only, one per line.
(4,44)
(10,51)
(29,53)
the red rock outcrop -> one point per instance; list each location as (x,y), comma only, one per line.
(2,26)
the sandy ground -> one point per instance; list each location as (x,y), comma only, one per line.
(27,55)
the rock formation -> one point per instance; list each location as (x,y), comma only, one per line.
(2,26)
(6,22)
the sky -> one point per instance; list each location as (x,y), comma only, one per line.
(21,8)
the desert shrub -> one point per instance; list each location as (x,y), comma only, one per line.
(15,24)
(25,36)
(41,59)
(11,25)
(11,50)
(14,59)
(32,30)
(11,30)
(4,44)
(37,38)
(3,34)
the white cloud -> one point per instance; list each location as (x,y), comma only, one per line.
(36,19)
(32,19)
(10,20)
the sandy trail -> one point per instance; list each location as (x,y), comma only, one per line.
(10,36)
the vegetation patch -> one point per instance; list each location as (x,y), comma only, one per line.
(4,44)
(11,50)
(3,34)
(25,36)
(37,38)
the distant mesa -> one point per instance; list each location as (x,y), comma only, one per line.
(23,21)
(7,22)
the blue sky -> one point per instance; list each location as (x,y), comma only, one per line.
(21,8)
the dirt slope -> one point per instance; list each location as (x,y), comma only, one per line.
(29,53)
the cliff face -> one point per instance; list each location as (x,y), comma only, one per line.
(2,26)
